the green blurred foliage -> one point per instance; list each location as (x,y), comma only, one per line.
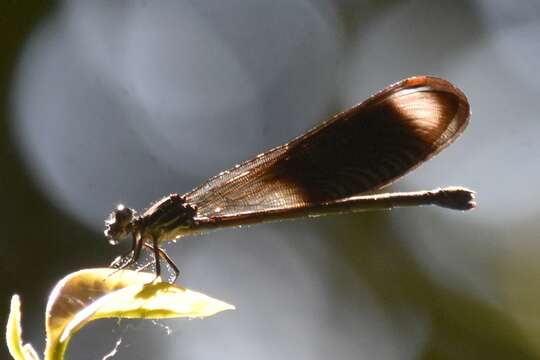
(460,326)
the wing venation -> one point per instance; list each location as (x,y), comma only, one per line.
(360,150)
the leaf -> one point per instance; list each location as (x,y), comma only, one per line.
(92,294)
(14,334)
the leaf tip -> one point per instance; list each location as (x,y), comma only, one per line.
(16,348)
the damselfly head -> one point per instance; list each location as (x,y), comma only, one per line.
(119,224)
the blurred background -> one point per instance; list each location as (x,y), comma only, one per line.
(105,102)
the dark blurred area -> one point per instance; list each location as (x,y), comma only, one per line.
(126,101)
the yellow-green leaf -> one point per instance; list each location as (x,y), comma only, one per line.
(14,334)
(93,294)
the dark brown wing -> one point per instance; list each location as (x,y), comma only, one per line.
(357,151)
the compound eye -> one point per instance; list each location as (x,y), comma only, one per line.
(118,225)
(123,213)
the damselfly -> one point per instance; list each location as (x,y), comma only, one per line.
(327,170)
